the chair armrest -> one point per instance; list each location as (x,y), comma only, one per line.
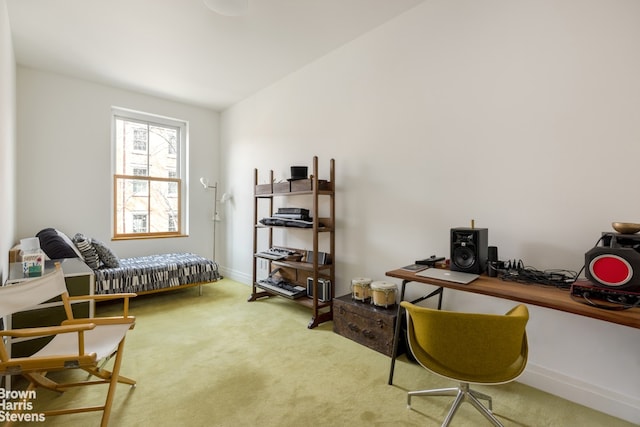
(115,320)
(103,297)
(48,330)
(106,297)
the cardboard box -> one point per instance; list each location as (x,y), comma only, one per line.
(14,254)
(282,187)
(307,185)
(264,189)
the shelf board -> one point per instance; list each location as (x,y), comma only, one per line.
(326,227)
(305,301)
(320,229)
(306,266)
(293,193)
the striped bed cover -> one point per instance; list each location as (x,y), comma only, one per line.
(155,272)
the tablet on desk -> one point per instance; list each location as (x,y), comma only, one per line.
(448,275)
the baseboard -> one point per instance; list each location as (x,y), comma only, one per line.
(238,276)
(575,390)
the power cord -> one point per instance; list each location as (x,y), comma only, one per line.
(516,271)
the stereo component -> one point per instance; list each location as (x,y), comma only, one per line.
(469,249)
(323,257)
(588,291)
(324,289)
(616,268)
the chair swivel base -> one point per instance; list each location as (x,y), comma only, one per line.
(463,394)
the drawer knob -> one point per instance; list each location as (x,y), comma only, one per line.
(380,323)
(354,327)
(368,334)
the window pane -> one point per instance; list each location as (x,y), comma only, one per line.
(132,197)
(172,188)
(162,141)
(173,223)
(162,208)
(139,188)
(131,145)
(140,138)
(140,223)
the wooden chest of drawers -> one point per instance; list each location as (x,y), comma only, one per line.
(366,324)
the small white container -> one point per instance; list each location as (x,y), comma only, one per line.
(32,257)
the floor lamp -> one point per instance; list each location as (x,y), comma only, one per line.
(205,183)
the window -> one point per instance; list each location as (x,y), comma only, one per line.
(172,223)
(149,175)
(140,139)
(140,223)
(139,186)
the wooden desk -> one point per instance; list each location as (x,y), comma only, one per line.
(543,296)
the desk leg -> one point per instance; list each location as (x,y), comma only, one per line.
(396,334)
(438,292)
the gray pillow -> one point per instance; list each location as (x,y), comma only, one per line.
(87,250)
(106,255)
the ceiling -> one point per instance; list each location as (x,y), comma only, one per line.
(180,50)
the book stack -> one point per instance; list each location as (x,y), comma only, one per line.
(293,213)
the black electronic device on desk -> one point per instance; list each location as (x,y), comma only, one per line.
(423,264)
(615,264)
(431,261)
(605,298)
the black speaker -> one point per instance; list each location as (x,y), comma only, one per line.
(617,267)
(469,249)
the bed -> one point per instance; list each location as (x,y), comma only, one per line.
(141,275)
(156,273)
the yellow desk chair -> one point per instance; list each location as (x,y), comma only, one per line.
(469,348)
(76,344)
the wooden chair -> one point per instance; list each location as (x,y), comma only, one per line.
(86,343)
(470,348)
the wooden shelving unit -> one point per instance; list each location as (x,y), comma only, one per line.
(296,272)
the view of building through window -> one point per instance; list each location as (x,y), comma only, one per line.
(147,180)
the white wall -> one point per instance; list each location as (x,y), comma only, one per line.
(64,170)
(520,115)
(7,140)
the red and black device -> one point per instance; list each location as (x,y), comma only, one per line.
(615,264)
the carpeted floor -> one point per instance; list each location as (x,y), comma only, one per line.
(218,360)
